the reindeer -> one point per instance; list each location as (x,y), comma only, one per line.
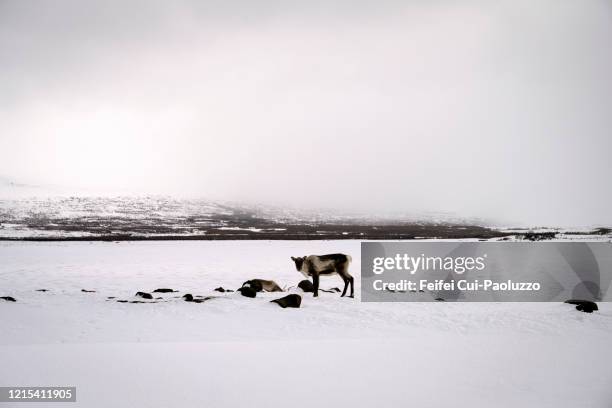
(326,265)
(263,285)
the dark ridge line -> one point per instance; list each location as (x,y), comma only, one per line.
(256,237)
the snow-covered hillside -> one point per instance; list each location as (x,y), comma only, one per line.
(164,217)
(157,217)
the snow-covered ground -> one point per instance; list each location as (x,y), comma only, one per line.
(233,351)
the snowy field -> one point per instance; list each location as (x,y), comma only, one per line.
(232,351)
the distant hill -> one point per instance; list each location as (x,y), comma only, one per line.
(162,217)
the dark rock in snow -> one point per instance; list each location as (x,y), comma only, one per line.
(220,289)
(144,295)
(292,300)
(440,299)
(122,301)
(8,298)
(198,299)
(202,300)
(306,286)
(585,306)
(88,291)
(254,284)
(42,290)
(164,290)
(247,291)
(111,297)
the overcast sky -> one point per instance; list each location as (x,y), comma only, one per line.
(501,110)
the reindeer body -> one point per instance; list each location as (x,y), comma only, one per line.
(263,285)
(325,265)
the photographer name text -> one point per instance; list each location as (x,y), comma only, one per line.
(406,285)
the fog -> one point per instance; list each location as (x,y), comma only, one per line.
(499,110)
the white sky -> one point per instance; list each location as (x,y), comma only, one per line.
(500,110)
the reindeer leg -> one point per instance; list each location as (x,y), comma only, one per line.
(346,283)
(315,281)
(352,281)
(346,277)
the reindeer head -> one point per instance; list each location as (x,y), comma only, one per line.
(299,262)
